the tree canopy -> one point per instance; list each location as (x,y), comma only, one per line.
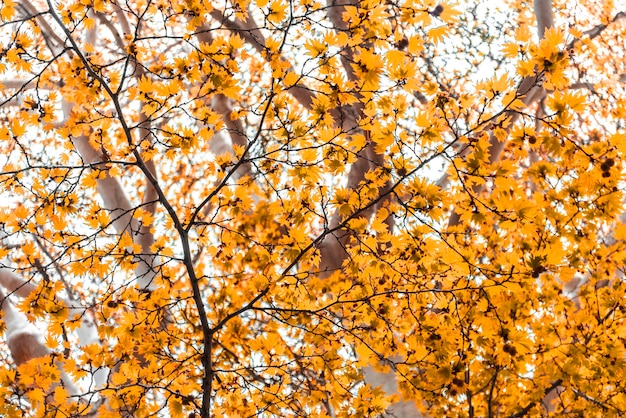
(303,208)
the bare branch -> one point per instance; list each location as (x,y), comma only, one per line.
(388,383)
(529,90)
(597,30)
(250,32)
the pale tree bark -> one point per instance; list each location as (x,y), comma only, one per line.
(23,338)
(250,31)
(544,16)
(333,245)
(530,91)
(332,248)
(115,198)
(14,284)
(222,142)
(26,342)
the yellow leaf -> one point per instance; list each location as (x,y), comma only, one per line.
(522,33)
(36,396)
(511,50)
(176,407)
(125,240)
(118,379)
(7,10)
(554,36)
(277,12)
(437,34)
(60,395)
(17,127)
(315,47)
(415,46)
(290,79)
(89,23)
(5,134)
(395,57)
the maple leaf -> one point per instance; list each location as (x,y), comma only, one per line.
(295,209)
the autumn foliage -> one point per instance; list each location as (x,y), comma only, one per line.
(298,208)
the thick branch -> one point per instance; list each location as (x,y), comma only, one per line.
(544,15)
(14,284)
(530,91)
(251,33)
(24,341)
(180,228)
(525,410)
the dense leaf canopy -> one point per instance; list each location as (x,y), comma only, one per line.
(296,208)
